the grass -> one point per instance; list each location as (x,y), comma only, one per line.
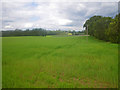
(59,62)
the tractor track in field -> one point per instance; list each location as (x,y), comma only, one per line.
(55,49)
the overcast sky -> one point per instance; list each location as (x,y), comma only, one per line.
(53,15)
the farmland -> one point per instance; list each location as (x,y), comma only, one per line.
(59,62)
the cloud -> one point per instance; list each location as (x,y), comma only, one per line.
(28,25)
(8,27)
(52,15)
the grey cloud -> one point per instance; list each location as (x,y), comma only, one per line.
(53,15)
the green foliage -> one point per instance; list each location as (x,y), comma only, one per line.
(103,28)
(100,27)
(27,32)
(113,32)
(90,24)
(58,62)
(38,32)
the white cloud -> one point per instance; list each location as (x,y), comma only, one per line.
(61,0)
(52,15)
(63,21)
(28,25)
(8,27)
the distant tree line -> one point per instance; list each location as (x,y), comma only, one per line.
(27,32)
(38,32)
(104,28)
(77,32)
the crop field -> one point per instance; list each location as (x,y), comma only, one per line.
(59,62)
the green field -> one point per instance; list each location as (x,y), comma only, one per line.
(59,62)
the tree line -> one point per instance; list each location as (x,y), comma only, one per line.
(27,32)
(104,28)
(38,32)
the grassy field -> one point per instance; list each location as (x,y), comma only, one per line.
(59,62)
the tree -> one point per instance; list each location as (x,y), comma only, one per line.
(89,24)
(104,28)
(113,32)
